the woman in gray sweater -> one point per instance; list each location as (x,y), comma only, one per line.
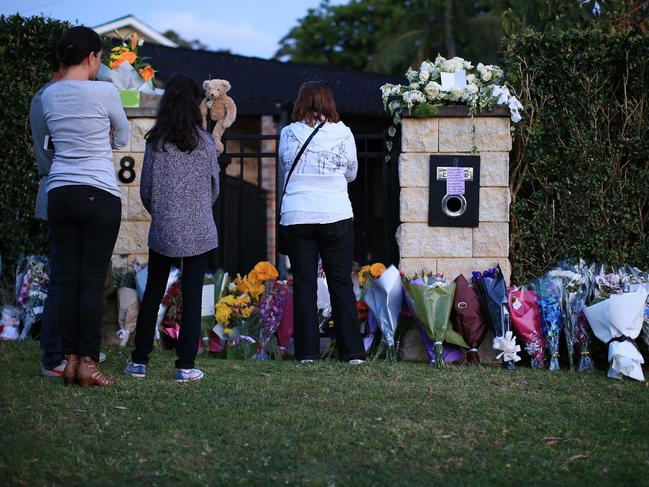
(179,185)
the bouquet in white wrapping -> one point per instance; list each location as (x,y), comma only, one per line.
(617,321)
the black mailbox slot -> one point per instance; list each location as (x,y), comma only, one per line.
(454,209)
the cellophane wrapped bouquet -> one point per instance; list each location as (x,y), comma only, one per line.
(32,279)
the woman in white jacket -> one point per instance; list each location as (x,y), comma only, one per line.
(317,219)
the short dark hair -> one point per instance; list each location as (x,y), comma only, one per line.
(76,44)
(315,101)
(55,64)
(179,116)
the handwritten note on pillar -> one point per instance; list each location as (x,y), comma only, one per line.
(455,180)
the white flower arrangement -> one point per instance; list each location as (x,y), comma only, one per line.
(423,95)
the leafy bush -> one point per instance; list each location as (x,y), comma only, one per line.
(25,45)
(580,164)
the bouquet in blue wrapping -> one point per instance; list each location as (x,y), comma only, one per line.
(575,282)
(550,293)
(492,290)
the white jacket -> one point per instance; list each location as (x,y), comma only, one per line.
(317,189)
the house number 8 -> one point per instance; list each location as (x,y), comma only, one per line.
(126,171)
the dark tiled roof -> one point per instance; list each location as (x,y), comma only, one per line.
(261,86)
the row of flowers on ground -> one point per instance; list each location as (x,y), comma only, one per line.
(251,316)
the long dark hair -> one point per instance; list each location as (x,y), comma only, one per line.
(315,101)
(76,44)
(179,118)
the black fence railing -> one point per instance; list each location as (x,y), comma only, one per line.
(251,179)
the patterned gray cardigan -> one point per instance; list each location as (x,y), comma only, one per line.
(179,190)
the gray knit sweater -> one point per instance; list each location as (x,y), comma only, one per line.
(179,189)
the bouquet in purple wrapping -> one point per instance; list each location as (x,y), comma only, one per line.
(271,311)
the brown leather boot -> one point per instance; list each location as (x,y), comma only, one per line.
(89,374)
(70,371)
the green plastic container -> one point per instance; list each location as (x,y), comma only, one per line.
(130,98)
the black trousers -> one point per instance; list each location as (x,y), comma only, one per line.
(334,243)
(84,223)
(193,272)
(51,348)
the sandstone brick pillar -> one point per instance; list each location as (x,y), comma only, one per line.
(132,241)
(448,250)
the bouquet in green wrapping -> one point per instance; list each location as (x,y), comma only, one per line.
(431,300)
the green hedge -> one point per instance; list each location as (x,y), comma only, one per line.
(580,164)
(25,45)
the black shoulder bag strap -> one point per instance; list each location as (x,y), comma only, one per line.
(297,158)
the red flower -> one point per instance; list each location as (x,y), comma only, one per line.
(362,310)
(175,289)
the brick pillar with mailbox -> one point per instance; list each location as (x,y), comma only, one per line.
(454,250)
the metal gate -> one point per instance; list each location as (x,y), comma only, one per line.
(246,210)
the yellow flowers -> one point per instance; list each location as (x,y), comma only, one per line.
(246,294)
(263,271)
(253,283)
(368,272)
(223,313)
(230,308)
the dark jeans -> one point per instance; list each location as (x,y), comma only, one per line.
(333,242)
(193,272)
(50,338)
(84,222)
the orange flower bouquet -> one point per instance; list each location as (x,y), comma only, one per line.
(130,72)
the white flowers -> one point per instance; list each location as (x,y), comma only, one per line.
(455,94)
(485,86)
(426,71)
(489,72)
(503,97)
(412,97)
(451,65)
(433,90)
(412,75)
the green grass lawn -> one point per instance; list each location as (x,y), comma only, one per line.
(250,423)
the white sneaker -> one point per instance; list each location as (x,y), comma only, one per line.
(186,375)
(123,335)
(102,357)
(56,372)
(356,361)
(307,361)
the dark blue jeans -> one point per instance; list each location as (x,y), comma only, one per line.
(334,243)
(191,288)
(84,222)
(50,337)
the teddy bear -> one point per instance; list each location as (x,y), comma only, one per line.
(221,107)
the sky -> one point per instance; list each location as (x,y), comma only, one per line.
(247,27)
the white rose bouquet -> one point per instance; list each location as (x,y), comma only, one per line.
(479,87)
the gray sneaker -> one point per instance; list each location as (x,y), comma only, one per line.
(135,370)
(186,375)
